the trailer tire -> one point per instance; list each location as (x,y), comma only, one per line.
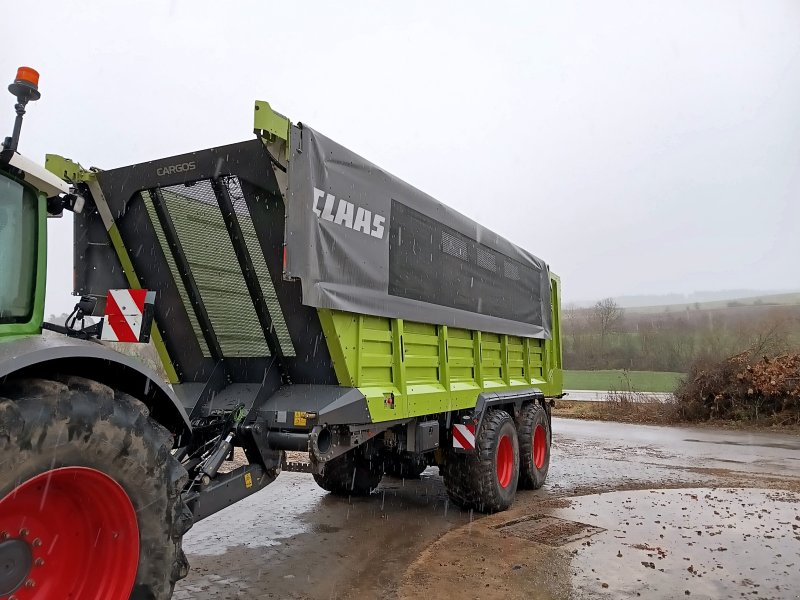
(405,466)
(351,474)
(486,479)
(533,429)
(63,443)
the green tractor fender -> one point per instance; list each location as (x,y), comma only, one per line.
(38,356)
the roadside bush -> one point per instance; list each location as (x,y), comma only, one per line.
(743,387)
(630,406)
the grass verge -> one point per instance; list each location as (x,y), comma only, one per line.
(628,408)
(640,381)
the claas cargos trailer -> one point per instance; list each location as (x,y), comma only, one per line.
(299,298)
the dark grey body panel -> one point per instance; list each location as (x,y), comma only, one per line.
(361,240)
(333,405)
(97,269)
(60,354)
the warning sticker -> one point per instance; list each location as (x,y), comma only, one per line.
(248,480)
(300,419)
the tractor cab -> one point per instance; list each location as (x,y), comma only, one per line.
(28,193)
(19,225)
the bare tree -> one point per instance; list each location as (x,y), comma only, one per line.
(606,315)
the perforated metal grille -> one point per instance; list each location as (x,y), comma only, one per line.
(198,222)
(260,265)
(151,212)
(454,246)
(511,270)
(486,259)
(426,257)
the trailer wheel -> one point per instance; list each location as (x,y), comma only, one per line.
(90,495)
(351,474)
(486,479)
(405,466)
(534,446)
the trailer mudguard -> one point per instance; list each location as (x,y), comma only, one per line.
(43,356)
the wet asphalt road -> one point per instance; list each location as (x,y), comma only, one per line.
(596,396)
(292,540)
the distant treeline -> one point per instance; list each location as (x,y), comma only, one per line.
(609,337)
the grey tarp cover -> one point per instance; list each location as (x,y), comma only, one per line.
(362,240)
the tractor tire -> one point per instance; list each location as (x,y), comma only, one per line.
(405,466)
(533,429)
(486,479)
(90,494)
(351,474)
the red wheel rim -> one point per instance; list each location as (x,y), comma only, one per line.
(505,461)
(539,446)
(81,534)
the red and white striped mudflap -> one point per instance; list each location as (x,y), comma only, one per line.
(128,316)
(464,437)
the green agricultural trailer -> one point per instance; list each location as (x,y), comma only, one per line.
(299,298)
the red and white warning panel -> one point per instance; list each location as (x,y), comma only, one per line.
(464,437)
(129,315)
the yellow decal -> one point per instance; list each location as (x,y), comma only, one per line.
(299,419)
(248,480)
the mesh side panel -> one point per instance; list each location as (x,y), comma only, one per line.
(198,222)
(486,259)
(260,265)
(511,270)
(454,246)
(482,283)
(173,269)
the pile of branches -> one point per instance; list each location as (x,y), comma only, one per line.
(743,388)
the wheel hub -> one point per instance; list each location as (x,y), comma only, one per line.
(16,560)
(539,446)
(75,534)
(505,461)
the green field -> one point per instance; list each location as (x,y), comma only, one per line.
(636,381)
(789,299)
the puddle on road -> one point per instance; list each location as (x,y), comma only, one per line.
(263,519)
(701,543)
(760,444)
(262,546)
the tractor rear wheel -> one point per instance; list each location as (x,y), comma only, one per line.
(486,479)
(351,474)
(90,495)
(533,426)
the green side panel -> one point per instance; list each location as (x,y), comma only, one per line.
(269,122)
(205,241)
(260,267)
(430,368)
(553,346)
(66,169)
(173,269)
(133,281)
(73,172)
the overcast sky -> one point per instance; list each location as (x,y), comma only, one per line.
(637,147)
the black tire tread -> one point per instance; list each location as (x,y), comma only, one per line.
(404,467)
(469,478)
(531,478)
(113,432)
(351,474)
